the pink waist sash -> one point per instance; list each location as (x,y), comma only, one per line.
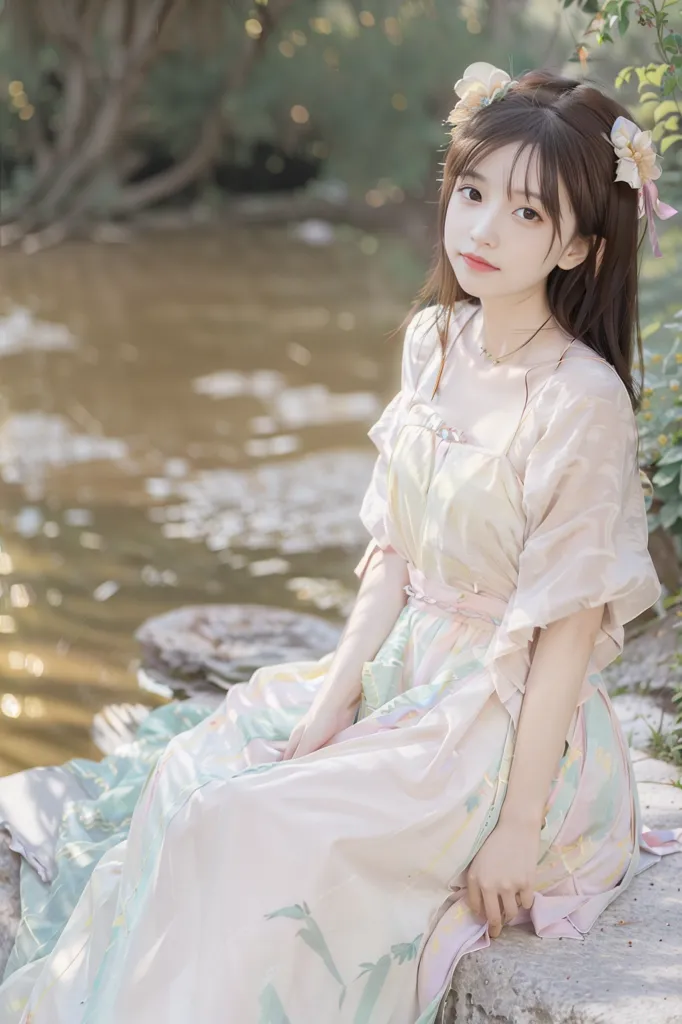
(441,598)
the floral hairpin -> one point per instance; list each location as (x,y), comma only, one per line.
(638,168)
(480,85)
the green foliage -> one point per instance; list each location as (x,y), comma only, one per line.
(659,88)
(373,96)
(376,94)
(661,426)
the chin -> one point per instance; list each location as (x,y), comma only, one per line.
(481,286)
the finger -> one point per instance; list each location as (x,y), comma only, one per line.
(527,897)
(509,905)
(492,912)
(291,746)
(474,897)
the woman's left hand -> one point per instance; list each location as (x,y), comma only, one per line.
(501,875)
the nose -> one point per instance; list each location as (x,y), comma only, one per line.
(483,230)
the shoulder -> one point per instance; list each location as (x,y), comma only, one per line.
(585,380)
(424,330)
(585,412)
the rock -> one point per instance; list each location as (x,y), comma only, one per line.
(641,716)
(648,662)
(9,898)
(196,649)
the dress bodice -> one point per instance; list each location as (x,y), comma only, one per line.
(455,509)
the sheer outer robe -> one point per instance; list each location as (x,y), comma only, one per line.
(585,536)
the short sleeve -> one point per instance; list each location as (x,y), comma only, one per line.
(586,537)
(419,338)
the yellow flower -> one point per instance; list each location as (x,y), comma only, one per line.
(647,415)
(674,385)
(662,439)
(656,357)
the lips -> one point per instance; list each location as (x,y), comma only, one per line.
(477,262)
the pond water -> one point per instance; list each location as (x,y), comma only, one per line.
(183,420)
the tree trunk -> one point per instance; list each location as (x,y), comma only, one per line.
(90,134)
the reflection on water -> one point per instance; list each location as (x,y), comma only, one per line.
(303,504)
(32,443)
(22,331)
(183,420)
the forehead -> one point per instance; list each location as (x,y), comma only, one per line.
(519,165)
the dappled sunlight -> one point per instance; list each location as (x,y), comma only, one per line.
(21,331)
(298,505)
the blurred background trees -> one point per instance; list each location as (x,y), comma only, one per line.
(111,106)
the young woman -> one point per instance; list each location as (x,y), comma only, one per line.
(327,844)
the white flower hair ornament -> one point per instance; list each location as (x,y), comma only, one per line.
(480,85)
(638,168)
(483,83)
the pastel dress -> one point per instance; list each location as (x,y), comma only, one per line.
(330,887)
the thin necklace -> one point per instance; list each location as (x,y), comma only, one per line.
(498,359)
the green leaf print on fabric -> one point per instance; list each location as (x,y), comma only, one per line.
(403,951)
(472,802)
(377,974)
(313,937)
(271,1009)
(297,912)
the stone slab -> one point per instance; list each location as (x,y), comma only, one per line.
(9,898)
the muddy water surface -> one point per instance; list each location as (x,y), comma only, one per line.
(182,420)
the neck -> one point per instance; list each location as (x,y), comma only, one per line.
(508,321)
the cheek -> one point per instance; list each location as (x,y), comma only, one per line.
(535,250)
(452,226)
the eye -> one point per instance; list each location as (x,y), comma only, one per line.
(533,214)
(470,188)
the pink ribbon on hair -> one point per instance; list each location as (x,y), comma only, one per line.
(651,205)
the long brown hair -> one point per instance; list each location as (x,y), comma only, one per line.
(563,123)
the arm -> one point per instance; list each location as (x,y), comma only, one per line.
(380,600)
(377,606)
(506,863)
(559,665)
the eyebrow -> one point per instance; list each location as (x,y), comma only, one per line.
(477,176)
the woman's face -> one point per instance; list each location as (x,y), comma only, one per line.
(513,235)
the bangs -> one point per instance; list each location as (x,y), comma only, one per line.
(543,154)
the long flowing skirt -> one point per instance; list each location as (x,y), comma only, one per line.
(325,888)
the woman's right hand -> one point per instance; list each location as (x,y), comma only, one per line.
(325,718)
